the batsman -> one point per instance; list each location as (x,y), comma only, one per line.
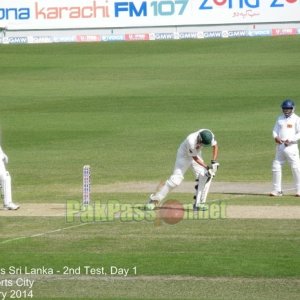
(189,155)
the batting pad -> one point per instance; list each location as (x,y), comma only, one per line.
(200,191)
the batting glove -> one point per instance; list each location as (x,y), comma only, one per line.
(215,165)
(210,173)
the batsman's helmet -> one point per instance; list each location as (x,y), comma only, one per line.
(205,137)
(288,104)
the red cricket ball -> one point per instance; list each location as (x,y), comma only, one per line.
(171,212)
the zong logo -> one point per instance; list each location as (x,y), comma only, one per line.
(209,4)
(281,3)
(234,4)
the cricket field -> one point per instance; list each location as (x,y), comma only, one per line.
(123,109)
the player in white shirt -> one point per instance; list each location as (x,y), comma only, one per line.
(189,156)
(286,134)
(5,181)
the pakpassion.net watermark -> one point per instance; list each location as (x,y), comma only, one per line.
(171,212)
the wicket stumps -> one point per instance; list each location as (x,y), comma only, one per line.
(86,184)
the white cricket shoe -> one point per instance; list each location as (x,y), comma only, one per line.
(201,207)
(11,206)
(153,202)
(153,197)
(150,206)
(276,194)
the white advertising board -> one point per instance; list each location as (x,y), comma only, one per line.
(71,14)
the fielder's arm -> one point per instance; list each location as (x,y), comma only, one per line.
(3,156)
(278,140)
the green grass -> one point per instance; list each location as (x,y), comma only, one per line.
(182,261)
(221,247)
(124,108)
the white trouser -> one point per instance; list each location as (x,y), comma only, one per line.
(5,182)
(182,164)
(284,154)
